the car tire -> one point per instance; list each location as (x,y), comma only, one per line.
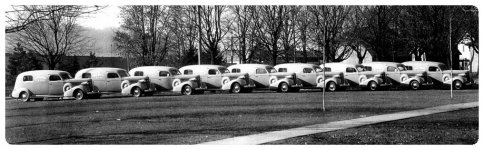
(331,86)
(78,95)
(187,90)
(414,85)
(24,96)
(458,85)
(137,92)
(283,87)
(372,86)
(235,88)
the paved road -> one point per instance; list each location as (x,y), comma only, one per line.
(201,118)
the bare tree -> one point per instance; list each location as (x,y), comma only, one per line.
(19,17)
(55,36)
(329,23)
(144,33)
(244,27)
(289,35)
(213,28)
(269,23)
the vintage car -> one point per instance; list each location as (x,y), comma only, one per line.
(399,75)
(313,76)
(265,76)
(440,75)
(165,78)
(41,84)
(218,77)
(114,80)
(358,76)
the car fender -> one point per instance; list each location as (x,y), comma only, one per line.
(127,90)
(323,84)
(275,85)
(229,84)
(70,92)
(407,82)
(179,87)
(16,92)
(368,80)
(456,78)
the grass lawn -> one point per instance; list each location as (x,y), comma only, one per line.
(457,127)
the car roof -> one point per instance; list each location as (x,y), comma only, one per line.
(41,72)
(426,63)
(95,69)
(153,68)
(201,66)
(295,65)
(338,64)
(249,66)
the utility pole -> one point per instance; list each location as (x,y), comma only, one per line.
(199,34)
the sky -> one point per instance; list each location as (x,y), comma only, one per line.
(105,18)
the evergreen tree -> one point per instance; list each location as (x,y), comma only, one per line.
(21,61)
(92,61)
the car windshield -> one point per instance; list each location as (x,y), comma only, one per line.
(65,76)
(223,70)
(318,69)
(362,68)
(122,73)
(401,67)
(271,70)
(175,72)
(442,67)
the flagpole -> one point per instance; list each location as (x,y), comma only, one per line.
(450,52)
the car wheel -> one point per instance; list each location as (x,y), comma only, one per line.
(78,95)
(283,87)
(372,86)
(414,85)
(137,92)
(331,86)
(24,96)
(458,85)
(235,88)
(187,90)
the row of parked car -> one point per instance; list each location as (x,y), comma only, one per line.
(195,79)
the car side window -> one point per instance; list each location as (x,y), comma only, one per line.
(235,70)
(212,72)
(138,73)
(326,69)
(86,75)
(308,70)
(28,78)
(54,78)
(164,74)
(409,67)
(282,70)
(391,69)
(260,71)
(350,69)
(433,69)
(188,72)
(113,75)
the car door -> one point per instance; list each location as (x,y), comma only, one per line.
(261,77)
(435,73)
(113,82)
(352,75)
(393,73)
(308,77)
(38,85)
(55,84)
(163,80)
(214,78)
